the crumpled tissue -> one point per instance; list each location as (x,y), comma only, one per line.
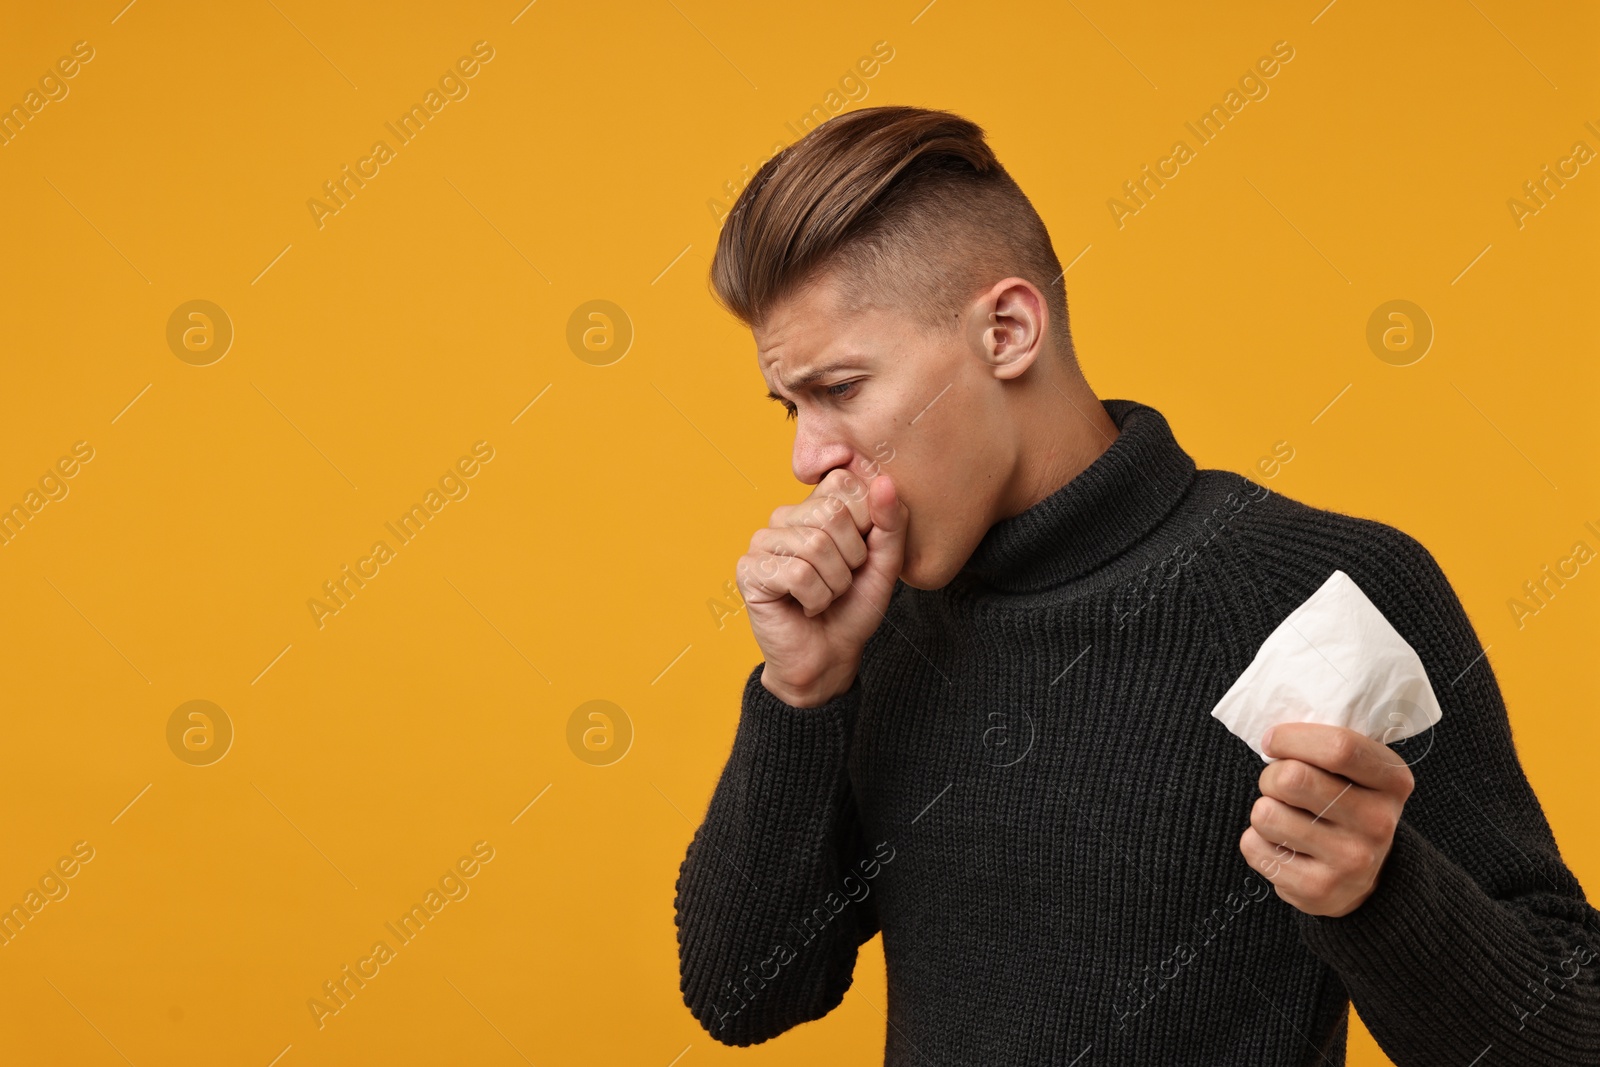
(1336,660)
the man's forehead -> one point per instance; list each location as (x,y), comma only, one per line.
(796,362)
(806,334)
(812,310)
(792,343)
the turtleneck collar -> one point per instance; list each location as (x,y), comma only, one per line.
(1103,510)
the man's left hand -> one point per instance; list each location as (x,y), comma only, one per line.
(1325,821)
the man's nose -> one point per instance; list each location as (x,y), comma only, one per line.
(816,452)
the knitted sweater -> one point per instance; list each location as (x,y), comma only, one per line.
(1024,792)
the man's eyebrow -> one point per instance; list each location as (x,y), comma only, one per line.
(810,377)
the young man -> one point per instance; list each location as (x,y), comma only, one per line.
(993,634)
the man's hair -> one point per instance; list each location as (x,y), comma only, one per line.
(909,204)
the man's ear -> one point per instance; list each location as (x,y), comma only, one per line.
(1006,325)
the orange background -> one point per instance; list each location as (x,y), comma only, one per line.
(371,753)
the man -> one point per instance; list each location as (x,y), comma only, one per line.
(993,634)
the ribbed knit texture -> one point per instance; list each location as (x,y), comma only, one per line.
(1025,793)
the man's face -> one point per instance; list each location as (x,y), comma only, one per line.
(924,408)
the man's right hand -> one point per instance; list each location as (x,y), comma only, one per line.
(815,590)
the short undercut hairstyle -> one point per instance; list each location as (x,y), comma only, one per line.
(908,204)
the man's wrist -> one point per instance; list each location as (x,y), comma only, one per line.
(812,696)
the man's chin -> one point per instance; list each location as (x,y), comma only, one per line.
(921,572)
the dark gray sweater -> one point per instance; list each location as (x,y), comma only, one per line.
(1025,793)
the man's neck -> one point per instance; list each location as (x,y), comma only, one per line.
(1065,429)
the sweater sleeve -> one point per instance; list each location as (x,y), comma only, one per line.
(1478,941)
(769,912)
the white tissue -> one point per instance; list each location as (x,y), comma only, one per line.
(1336,660)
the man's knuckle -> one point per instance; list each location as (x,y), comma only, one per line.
(1319,883)
(1343,749)
(817,587)
(750,575)
(1262,813)
(1358,856)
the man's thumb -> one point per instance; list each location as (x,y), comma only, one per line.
(888,516)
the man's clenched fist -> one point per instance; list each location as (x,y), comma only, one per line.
(817,580)
(1324,824)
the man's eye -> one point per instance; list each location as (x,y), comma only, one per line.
(834,391)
